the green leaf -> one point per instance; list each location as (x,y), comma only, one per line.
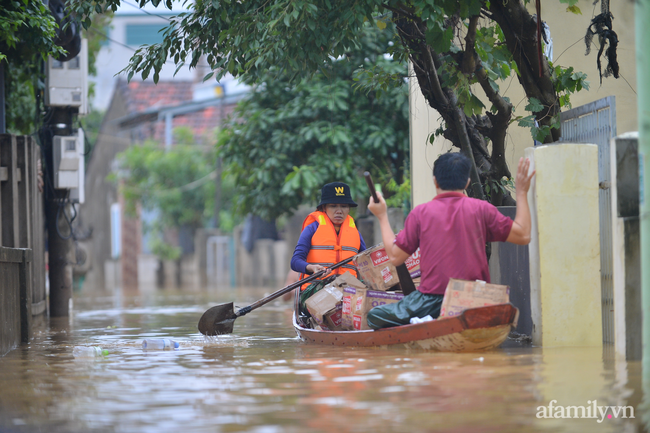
(439,39)
(574,9)
(526,122)
(473,106)
(534,105)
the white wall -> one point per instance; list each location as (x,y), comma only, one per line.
(114,56)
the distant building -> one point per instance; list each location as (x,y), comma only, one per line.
(139,111)
(130,28)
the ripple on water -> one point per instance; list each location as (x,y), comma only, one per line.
(263,379)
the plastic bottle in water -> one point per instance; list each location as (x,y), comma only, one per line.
(159,344)
(88,352)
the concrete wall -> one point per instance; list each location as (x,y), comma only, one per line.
(424,120)
(94,214)
(626,272)
(565,247)
(568,31)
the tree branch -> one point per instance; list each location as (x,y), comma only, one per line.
(407,12)
(519,30)
(469,58)
(437,89)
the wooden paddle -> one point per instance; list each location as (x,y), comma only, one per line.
(220,318)
(405,280)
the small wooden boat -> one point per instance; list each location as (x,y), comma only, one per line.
(475,329)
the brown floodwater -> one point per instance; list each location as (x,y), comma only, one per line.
(263,379)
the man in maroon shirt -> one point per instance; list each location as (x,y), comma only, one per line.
(451,231)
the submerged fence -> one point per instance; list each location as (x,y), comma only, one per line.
(22,243)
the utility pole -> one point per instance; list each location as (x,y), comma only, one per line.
(57,213)
(65,98)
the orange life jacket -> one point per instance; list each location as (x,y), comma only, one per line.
(329,247)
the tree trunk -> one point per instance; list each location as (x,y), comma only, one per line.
(470,134)
(519,29)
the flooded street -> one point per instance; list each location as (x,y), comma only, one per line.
(263,379)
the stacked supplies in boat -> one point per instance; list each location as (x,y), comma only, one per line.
(343,304)
(325,306)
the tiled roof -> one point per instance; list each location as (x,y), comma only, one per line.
(141,96)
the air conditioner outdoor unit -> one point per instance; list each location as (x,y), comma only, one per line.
(68,161)
(67,82)
(78,195)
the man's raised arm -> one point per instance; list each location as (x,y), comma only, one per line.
(520,231)
(396,255)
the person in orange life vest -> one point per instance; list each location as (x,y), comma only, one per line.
(329,234)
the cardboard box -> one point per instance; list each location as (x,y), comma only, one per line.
(346,308)
(376,270)
(323,302)
(357,302)
(413,264)
(347,280)
(461,295)
(334,318)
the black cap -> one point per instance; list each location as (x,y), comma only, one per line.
(336,193)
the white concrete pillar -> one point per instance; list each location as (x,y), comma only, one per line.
(565,246)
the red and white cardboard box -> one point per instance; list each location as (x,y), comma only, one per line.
(376,270)
(358,302)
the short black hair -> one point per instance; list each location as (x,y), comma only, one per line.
(452,171)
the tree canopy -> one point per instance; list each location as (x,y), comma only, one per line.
(28,32)
(288,139)
(178,184)
(455,47)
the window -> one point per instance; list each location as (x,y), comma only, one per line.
(141,34)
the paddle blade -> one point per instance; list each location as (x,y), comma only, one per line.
(218,320)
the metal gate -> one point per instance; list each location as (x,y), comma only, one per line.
(595,123)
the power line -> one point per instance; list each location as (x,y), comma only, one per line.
(121,43)
(145,11)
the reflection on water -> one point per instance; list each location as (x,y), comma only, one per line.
(263,379)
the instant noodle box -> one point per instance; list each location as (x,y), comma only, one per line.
(357,303)
(461,295)
(376,270)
